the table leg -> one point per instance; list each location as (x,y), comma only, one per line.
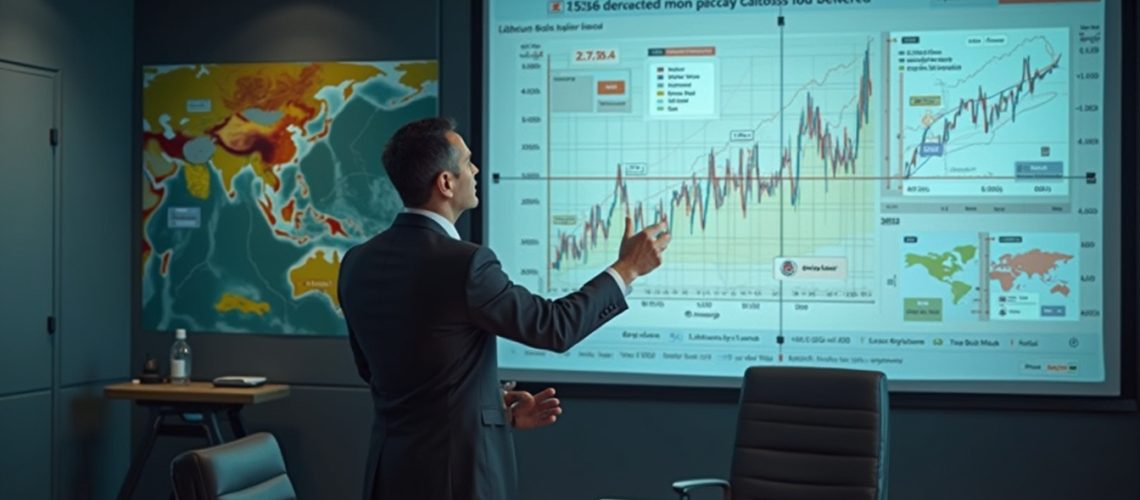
(131,481)
(235,422)
(214,431)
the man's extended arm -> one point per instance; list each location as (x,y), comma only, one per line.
(501,307)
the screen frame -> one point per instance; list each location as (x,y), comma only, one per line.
(663,388)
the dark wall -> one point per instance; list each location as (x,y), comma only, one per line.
(89,44)
(323,426)
(635,448)
(604,446)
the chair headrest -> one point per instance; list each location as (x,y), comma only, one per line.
(213,472)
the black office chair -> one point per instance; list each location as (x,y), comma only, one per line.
(250,468)
(807,433)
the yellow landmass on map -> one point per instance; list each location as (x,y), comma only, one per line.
(229,166)
(234,302)
(317,275)
(240,134)
(205,95)
(209,100)
(171,92)
(155,163)
(150,199)
(197,180)
(418,73)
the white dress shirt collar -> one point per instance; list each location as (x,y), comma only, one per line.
(447,226)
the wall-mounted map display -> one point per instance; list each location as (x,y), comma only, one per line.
(257,178)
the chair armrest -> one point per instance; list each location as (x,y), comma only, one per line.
(685,486)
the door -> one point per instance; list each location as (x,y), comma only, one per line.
(28,187)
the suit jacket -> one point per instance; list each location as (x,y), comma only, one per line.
(423,311)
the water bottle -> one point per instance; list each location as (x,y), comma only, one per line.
(180,358)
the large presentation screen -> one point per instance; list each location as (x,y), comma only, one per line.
(929,188)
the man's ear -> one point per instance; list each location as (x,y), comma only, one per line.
(443,183)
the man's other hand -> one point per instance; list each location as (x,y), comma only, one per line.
(531,411)
(641,253)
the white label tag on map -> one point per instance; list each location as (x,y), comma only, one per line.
(198,105)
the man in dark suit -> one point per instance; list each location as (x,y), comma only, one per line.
(423,309)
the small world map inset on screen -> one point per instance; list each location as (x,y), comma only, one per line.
(257,178)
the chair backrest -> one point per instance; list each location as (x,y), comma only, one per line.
(250,468)
(811,433)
